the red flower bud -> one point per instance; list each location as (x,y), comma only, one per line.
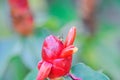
(21,16)
(57,56)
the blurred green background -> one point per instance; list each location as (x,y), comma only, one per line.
(19,55)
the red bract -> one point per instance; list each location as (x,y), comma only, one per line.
(21,16)
(57,56)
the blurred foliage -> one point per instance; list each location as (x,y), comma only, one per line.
(102,51)
(64,14)
(17,68)
(32,75)
(19,55)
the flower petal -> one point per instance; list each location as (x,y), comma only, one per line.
(52,48)
(68,51)
(70,37)
(44,70)
(39,64)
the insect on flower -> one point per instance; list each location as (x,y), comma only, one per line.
(56,56)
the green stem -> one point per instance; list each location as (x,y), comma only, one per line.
(73,77)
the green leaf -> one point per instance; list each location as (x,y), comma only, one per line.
(15,70)
(86,73)
(32,75)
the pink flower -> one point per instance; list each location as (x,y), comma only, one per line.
(56,56)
